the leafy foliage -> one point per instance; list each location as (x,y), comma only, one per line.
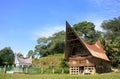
(112,39)
(49,61)
(64,64)
(51,45)
(87,31)
(56,43)
(112,28)
(6,56)
(31,53)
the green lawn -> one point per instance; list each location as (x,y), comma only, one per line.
(59,76)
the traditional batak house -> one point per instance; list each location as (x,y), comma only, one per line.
(25,62)
(84,58)
(19,61)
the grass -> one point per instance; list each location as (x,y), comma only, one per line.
(46,62)
(59,76)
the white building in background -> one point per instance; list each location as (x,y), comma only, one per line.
(22,62)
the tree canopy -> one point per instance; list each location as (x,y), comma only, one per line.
(31,53)
(87,31)
(6,56)
(112,28)
(55,44)
(51,45)
(112,39)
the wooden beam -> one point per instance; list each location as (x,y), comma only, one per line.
(72,40)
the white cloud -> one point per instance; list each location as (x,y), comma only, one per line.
(102,2)
(108,6)
(98,2)
(106,9)
(48,31)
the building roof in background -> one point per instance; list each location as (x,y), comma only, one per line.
(23,61)
(26,62)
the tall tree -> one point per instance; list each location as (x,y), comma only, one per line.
(112,39)
(87,31)
(6,56)
(51,45)
(41,47)
(112,28)
(57,42)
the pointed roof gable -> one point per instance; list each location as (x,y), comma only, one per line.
(95,50)
(26,62)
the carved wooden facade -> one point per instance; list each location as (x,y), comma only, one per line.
(84,58)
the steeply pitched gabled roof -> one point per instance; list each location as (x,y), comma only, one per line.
(27,62)
(96,50)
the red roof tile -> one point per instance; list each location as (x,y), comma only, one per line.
(96,50)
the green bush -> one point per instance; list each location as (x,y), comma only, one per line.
(63,64)
(66,70)
(58,70)
(47,70)
(9,68)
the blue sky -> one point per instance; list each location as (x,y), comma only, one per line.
(22,22)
